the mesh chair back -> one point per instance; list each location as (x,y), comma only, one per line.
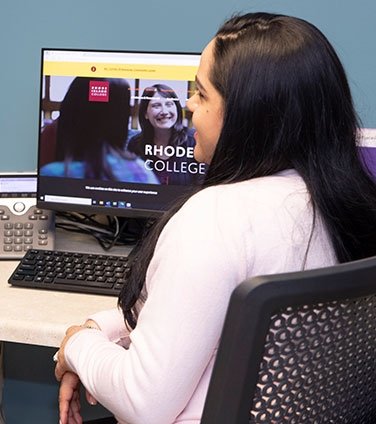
(298,348)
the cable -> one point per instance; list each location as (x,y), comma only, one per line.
(110,234)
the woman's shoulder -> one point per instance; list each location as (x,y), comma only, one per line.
(52,169)
(59,169)
(190,141)
(133,141)
(273,188)
(231,207)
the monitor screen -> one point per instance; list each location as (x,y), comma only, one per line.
(367,146)
(115,134)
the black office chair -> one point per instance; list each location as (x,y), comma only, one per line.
(298,348)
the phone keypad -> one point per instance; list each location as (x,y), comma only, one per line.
(18,234)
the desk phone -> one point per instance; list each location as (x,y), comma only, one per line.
(23,226)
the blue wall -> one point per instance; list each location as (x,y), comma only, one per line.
(27,25)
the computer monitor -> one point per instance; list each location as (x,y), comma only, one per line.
(115,134)
(367,146)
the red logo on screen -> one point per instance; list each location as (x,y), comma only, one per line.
(99,91)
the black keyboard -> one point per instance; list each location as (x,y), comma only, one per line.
(70,271)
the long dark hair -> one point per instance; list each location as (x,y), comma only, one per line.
(146,136)
(287,105)
(88,130)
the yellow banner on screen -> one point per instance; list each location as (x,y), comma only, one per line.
(116,70)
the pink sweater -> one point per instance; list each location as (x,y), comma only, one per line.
(159,373)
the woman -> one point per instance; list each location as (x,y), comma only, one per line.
(164,143)
(284,191)
(91,135)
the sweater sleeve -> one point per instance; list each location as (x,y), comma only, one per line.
(111,323)
(196,265)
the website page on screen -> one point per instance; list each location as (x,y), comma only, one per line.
(115,132)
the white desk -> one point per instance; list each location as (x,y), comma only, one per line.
(40,317)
